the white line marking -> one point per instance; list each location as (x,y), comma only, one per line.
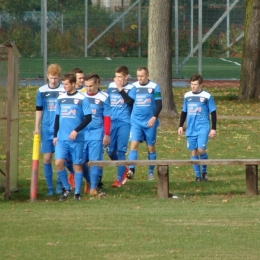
(236,63)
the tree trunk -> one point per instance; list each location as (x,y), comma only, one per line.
(160,52)
(250,69)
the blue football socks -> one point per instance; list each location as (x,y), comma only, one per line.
(204,167)
(196,167)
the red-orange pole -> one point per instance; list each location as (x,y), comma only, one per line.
(35,167)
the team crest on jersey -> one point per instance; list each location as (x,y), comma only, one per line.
(60,93)
(93,111)
(202,99)
(97,101)
(150,90)
(126,90)
(76,101)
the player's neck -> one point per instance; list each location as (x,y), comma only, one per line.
(197,92)
(52,87)
(73,92)
(92,94)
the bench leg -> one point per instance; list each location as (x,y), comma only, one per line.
(163,181)
(251,180)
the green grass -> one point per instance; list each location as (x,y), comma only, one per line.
(213,220)
(213,68)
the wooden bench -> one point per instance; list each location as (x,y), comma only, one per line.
(163,170)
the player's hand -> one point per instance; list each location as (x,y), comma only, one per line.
(36,131)
(119,83)
(54,141)
(180,130)
(73,135)
(151,121)
(106,140)
(212,133)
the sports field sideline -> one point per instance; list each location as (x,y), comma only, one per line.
(213,68)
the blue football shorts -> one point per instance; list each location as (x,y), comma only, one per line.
(65,149)
(195,142)
(119,136)
(93,150)
(140,133)
(47,144)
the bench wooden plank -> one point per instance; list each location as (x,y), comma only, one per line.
(163,170)
(177,162)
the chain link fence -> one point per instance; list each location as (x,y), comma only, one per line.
(106,33)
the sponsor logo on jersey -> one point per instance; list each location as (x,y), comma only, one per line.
(202,99)
(189,99)
(64,100)
(47,95)
(114,90)
(76,101)
(97,101)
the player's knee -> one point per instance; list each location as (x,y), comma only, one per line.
(201,151)
(59,164)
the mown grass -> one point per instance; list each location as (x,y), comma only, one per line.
(213,220)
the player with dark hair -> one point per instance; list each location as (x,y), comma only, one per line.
(79,78)
(80,87)
(97,133)
(46,101)
(144,119)
(73,114)
(197,105)
(121,97)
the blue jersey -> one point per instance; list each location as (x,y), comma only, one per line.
(99,108)
(46,98)
(144,105)
(71,110)
(198,107)
(119,110)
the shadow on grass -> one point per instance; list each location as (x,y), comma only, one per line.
(140,189)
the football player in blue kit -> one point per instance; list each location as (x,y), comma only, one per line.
(144,119)
(197,105)
(73,114)
(46,101)
(121,98)
(80,87)
(97,133)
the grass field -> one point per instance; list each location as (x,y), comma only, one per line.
(213,68)
(213,220)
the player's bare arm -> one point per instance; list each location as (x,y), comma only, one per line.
(106,140)
(38,119)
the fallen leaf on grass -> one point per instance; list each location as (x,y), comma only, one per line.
(27,210)
(248,147)
(224,201)
(52,243)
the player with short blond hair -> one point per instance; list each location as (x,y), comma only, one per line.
(46,101)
